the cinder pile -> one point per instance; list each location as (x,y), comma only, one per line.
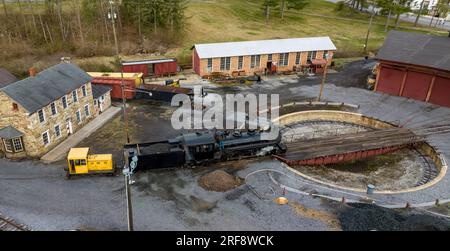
(219,181)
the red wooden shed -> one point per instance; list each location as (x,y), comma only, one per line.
(415,66)
(154,67)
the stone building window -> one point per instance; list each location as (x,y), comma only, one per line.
(13,145)
(75,96)
(78,116)
(53,109)
(41,116)
(64,102)
(87,112)
(46,138)
(83,90)
(57,131)
(297,58)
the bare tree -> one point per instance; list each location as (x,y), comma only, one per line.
(4,8)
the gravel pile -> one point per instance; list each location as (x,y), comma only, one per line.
(219,181)
(366,217)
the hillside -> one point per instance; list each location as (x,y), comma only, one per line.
(236,20)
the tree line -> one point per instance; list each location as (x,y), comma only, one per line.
(71,24)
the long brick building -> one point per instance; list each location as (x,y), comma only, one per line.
(415,66)
(39,112)
(247,58)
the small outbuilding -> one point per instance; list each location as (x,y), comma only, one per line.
(415,66)
(153,67)
(263,56)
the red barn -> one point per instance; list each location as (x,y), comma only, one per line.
(415,66)
(156,67)
(116,85)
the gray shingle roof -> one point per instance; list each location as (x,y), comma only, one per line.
(33,93)
(6,78)
(416,49)
(99,90)
(10,132)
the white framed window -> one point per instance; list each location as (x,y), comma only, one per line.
(75,96)
(8,145)
(284,59)
(210,64)
(240,62)
(64,102)
(325,54)
(269,57)
(78,116)
(53,109)
(298,58)
(225,64)
(83,90)
(87,112)
(312,55)
(255,61)
(18,145)
(41,116)
(57,131)
(46,138)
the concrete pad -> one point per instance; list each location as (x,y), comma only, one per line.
(60,151)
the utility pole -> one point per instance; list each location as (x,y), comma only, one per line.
(323,78)
(113,16)
(368,32)
(127,171)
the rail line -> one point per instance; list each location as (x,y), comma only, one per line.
(8,224)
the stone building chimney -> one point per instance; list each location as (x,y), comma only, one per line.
(32,72)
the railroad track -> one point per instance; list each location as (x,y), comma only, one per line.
(8,224)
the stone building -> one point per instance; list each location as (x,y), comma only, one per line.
(102,97)
(249,57)
(39,112)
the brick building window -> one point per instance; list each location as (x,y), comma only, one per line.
(297,58)
(41,116)
(83,90)
(87,112)
(240,62)
(78,116)
(57,131)
(46,138)
(284,59)
(225,64)
(53,109)
(269,57)
(325,54)
(312,55)
(15,107)
(64,102)
(255,61)
(210,64)
(75,96)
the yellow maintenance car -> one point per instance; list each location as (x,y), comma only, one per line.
(81,162)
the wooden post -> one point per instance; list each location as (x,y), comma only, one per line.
(377,79)
(430,90)
(403,83)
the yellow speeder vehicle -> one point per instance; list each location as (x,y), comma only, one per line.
(81,162)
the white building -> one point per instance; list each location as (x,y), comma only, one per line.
(429,4)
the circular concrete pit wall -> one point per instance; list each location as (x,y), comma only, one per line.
(361,120)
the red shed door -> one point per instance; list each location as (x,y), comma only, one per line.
(417,85)
(440,94)
(390,81)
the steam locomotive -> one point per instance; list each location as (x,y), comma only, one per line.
(204,147)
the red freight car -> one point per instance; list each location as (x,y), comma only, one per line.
(156,67)
(116,84)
